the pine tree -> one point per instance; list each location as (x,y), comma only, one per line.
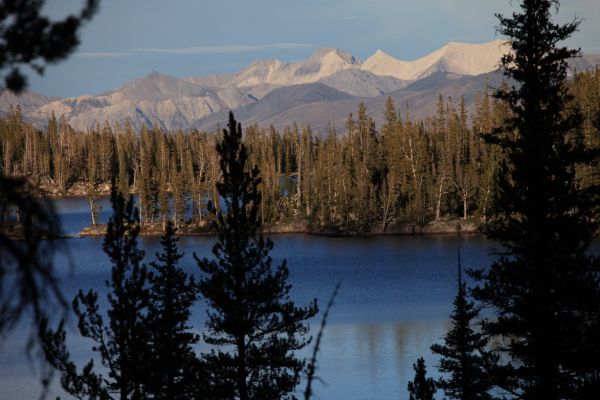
(421,387)
(463,354)
(180,197)
(163,201)
(173,365)
(545,286)
(121,343)
(464,171)
(250,309)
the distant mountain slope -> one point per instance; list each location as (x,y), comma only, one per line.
(160,99)
(455,57)
(585,62)
(28,101)
(323,63)
(362,83)
(331,107)
(277,103)
(324,87)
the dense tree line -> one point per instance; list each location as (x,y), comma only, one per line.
(407,171)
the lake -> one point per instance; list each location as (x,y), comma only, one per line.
(394,301)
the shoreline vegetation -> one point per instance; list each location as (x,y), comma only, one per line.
(289,225)
(404,177)
(301,226)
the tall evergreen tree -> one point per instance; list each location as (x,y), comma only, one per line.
(121,343)
(172,363)
(463,354)
(545,286)
(250,309)
(421,387)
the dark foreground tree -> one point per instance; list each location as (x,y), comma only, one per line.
(463,355)
(29,38)
(121,342)
(29,289)
(173,365)
(249,305)
(421,387)
(27,278)
(545,286)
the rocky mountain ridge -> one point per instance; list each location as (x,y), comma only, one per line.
(267,91)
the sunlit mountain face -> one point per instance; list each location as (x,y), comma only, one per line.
(323,88)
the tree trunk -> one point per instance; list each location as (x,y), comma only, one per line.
(93,210)
(439,200)
(241,378)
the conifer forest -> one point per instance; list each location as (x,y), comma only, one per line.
(358,177)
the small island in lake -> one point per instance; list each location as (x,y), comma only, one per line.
(297,225)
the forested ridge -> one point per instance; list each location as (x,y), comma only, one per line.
(361,179)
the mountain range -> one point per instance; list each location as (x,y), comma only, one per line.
(321,89)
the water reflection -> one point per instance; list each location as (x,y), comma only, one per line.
(374,361)
(394,301)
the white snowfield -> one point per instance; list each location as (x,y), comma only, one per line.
(455,57)
(323,63)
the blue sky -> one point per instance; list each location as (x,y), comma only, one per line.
(128,39)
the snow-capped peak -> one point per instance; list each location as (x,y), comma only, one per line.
(380,54)
(322,63)
(328,55)
(473,59)
(455,57)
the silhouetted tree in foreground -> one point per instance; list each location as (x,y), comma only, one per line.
(29,289)
(27,278)
(545,286)
(173,365)
(121,342)
(421,387)
(463,355)
(29,38)
(249,305)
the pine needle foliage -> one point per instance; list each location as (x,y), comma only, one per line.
(250,311)
(421,387)
(463,355)
(121,341)
(174,366)
(544,287)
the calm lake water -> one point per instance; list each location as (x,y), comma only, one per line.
(394,302)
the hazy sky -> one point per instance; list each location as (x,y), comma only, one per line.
(128,39)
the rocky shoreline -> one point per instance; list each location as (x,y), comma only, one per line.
(298,226)
(77,189)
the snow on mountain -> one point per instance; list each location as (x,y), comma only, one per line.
(323,63)
(585,62)
(328,73)
(362,83)
(455,57)
(319,106)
